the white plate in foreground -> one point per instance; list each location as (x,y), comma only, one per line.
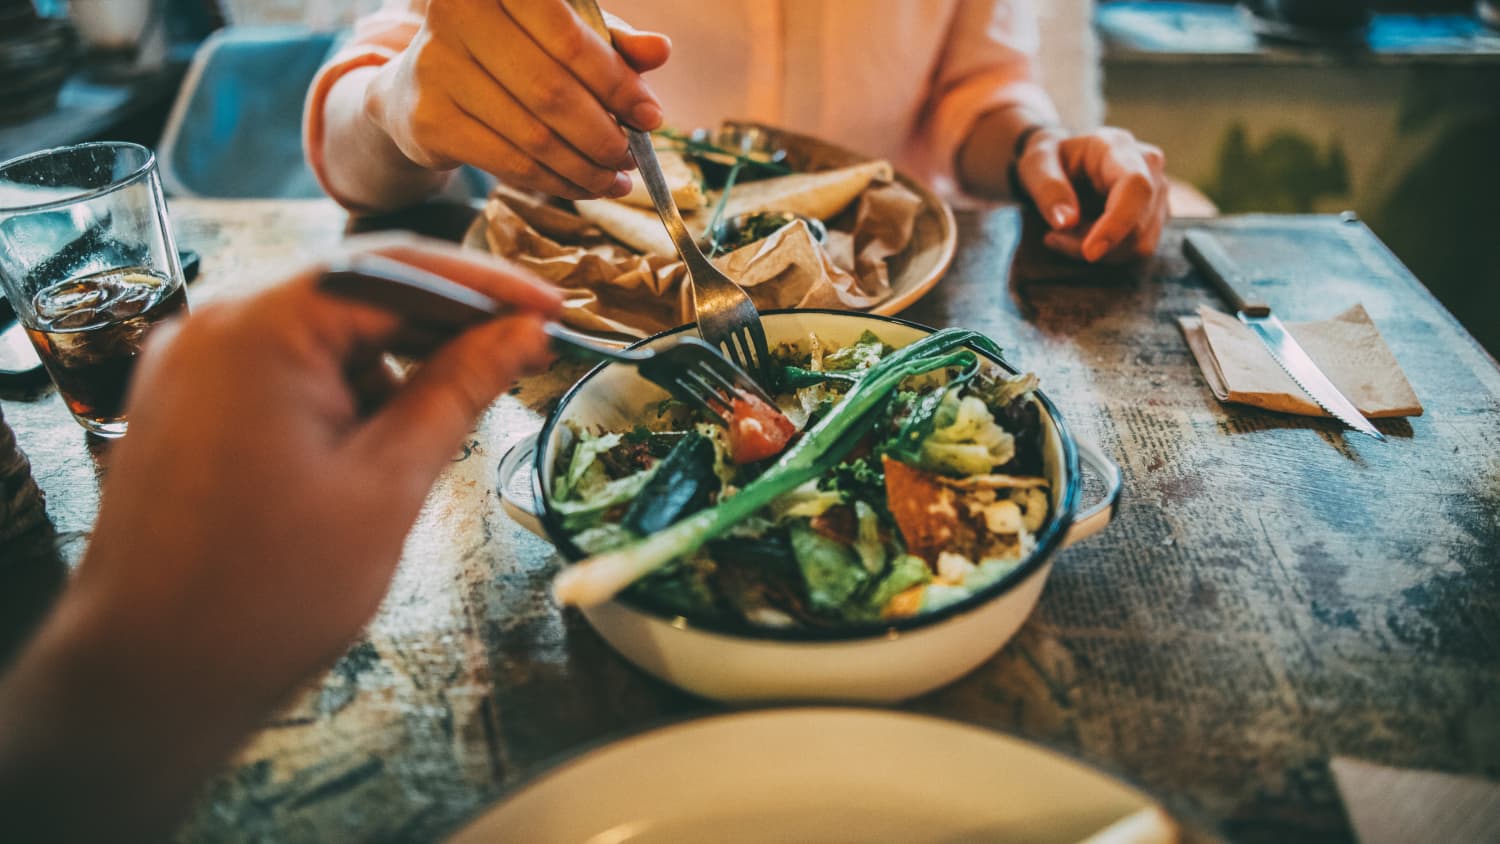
(812,775)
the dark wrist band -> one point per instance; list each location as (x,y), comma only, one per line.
(1024,138)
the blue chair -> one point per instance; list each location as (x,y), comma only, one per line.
(236,127)
(235,130)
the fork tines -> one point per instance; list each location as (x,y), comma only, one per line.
(733,379)
(699,374)
(714,399)
(747,349)
(713,383)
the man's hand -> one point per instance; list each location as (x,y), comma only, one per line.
(1127,175)
(521,89)
(249,526)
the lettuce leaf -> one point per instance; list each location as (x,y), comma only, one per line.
(585,473)
(965,439)
(863,353)
(830,569)
(867,544)
(906,571)
(586,511)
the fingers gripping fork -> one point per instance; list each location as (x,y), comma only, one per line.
(727,318)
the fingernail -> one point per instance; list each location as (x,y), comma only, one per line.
(646,115)
(621,185)
(1060,216)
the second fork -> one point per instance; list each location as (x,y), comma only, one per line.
(436,308)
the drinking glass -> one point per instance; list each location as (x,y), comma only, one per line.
(88,263)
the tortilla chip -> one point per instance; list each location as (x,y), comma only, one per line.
(820,195)
(925,511)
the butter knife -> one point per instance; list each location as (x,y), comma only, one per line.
(1204,251)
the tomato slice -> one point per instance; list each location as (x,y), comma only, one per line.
(757,430)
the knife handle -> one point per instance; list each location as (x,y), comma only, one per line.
(1205,253)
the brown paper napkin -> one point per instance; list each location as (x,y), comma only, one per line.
(610,287)
(1348,349)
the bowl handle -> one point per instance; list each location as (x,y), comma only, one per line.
(521,507)
(1098,516)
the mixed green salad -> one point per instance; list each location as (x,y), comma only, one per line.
(906,479)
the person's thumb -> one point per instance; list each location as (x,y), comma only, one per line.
(642,50)
(416,433)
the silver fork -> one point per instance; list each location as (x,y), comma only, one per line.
(726,317)
(434,309)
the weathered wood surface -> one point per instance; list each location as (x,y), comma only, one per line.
(1273,593)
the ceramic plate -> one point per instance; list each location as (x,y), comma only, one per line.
(913,272)
(812,775)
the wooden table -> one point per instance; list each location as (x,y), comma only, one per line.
(1274,592)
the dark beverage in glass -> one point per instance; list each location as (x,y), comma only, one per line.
(88,331)
(88,262)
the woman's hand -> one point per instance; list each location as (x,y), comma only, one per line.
(1128,176)
(521,89)
(249,526)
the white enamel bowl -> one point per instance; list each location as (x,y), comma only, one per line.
(813,774)
(879,662)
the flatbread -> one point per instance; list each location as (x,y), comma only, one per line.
(637,228)
(619,272)
(682,178)
(820,195)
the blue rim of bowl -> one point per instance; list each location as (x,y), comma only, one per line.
(83,194)
(1047,543)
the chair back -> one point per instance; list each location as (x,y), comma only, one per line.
(235,130)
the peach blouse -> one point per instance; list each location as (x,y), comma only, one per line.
(899,79)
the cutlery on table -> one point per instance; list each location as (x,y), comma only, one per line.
(1204,251)
(434,309)
(726,317)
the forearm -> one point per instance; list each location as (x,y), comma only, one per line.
(983,160)
(361,164)
(105,734)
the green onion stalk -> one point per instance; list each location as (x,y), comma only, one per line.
(601,577)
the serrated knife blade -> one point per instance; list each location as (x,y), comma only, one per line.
(1283,347)
(1204,251)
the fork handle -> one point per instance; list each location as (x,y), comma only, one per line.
(438,308)
(644,153)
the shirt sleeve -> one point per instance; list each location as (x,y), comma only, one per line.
(377,38)
(988,62)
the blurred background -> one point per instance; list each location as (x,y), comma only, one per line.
(1387,108)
